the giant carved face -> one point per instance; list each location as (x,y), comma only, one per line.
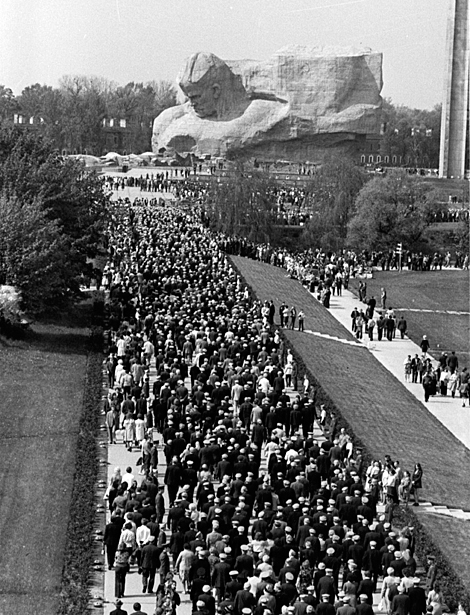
(203,99)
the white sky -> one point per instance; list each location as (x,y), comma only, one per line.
(141,40)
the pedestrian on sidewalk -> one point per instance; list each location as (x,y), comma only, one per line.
(402,327)
(138,609)
(118,610)
(383,298)
(122,567)
(407,366)
(464,385)
(111,538)
(293,316)
(424,345)
(149,562)
(416,483)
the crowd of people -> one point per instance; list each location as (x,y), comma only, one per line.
(255,514)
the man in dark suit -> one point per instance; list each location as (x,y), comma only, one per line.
(326,585)
(111,537)
(367,587)
(417,597)
(137,609)
(364,608)
(149,562)
(118,610)
(400,603)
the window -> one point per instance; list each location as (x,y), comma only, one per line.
(122,123)
(379,158)
(394,159)
(363,159)
(386,159)
(371,159)
(31,120)
(111,123)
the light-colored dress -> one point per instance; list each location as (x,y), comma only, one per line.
(129,430)
(139,429)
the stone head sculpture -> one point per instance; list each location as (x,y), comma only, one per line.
(213,90)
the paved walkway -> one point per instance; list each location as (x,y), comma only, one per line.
(392,356)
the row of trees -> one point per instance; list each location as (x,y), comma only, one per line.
(346,207)
(52,219)
(73,116)
(412,135)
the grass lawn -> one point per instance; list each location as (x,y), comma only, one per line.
(41,393)
(440,291)
(272,283)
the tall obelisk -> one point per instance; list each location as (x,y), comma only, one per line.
(456,96)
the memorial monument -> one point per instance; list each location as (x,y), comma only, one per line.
(455,107)
(297,105)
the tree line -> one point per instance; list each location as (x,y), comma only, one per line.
(72,116)
(76,115)
(346,208)
(53,215)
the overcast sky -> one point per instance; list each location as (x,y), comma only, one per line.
(142,40)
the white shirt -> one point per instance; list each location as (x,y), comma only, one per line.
(142,535)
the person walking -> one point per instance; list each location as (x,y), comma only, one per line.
(383,298)
(111,539)
(149,561)
(464,385)
(416,483)
(402,327)
(121,566)
(424,345)
(293,316)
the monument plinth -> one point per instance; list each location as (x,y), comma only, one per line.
(297,105)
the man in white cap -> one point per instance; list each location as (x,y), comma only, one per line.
(417,597)
(346,609)
(364,608)
(208,599)
(400,603)
(244,599)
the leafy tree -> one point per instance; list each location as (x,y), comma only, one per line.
(332,193)
(139,104)
(31,252)
(73,199)
(8,103)
(391,209)
(45,104)
(244,205)
(412,134)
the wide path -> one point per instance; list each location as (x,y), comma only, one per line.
(384,415)
(119,456)
(392,356)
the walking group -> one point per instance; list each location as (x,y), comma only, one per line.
(257,513)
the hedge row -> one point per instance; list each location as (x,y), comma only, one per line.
(451,585)
(449,582)
(78,559)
